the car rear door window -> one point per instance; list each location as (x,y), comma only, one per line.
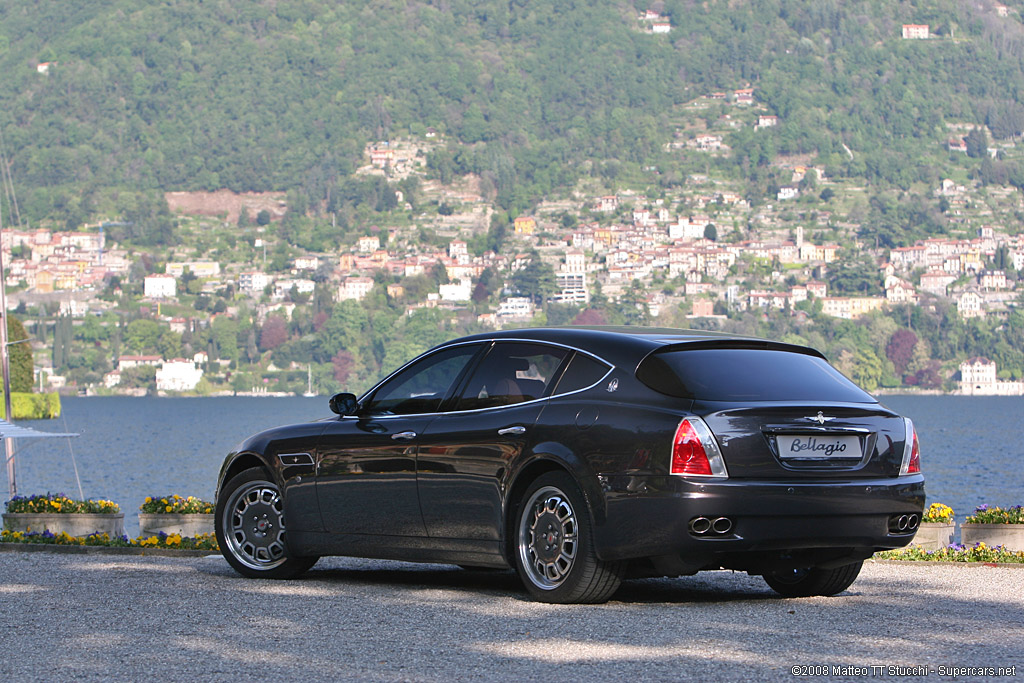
(512,372)
(747,374)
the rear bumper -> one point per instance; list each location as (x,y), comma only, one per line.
(650,516)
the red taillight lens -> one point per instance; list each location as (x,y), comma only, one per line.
(688,454)
(911,451)
(695,451)
(914,465)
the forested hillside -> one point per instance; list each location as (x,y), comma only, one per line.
(284,95)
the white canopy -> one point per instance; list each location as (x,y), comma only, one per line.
(13,431)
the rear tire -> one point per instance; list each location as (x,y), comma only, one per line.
(803,583)
(249,521)
(554,551)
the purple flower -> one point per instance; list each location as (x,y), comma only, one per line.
(981,508)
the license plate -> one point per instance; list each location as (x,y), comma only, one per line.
(819,446)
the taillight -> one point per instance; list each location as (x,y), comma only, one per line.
(695,452)
(911,451)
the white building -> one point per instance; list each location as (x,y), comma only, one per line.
(355,288)
(456,291)
(458,251)
(368,244)
(282,288)
(178,375)
(516,308)
(978,377)
(201,269)
(253,281)
(159,287)
(968,305)
(688,228)
(916,31)
(571,279)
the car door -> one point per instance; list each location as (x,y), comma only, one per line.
(366,474)
(464,455)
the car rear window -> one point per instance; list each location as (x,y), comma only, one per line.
(583,372)
(745,374)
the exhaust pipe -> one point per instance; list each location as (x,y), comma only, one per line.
(722,525)
(700,525)
(914,522)
(902,523)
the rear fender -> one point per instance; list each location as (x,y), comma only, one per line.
(548,457)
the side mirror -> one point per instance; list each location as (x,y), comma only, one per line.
(344,404)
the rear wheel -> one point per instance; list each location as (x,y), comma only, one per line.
(249,521)
(555,554)
(802,583)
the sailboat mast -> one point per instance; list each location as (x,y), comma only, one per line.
(5,365)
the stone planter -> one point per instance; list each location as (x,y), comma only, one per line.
(1011,536)
(934,535)
(73,524)
(151,524)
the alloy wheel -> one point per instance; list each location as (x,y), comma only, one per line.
(254,525)
(548,537)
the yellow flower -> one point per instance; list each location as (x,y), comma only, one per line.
(149,499)
(169,508)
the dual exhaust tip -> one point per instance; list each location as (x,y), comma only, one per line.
(902,524)
(703,526)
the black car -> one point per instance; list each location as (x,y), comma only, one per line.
(583,456)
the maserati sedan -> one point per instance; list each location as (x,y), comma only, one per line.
(584,456)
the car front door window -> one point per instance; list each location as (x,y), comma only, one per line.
(421,387)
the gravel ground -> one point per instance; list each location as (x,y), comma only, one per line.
(89,617)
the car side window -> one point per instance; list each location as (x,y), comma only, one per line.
(422,386)
(583,372)
(512,372)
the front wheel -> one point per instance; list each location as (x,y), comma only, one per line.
(803,583)
(249,521)
(555,554)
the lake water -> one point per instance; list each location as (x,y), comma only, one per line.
(972,447)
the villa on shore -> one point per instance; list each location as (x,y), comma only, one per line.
(978,377)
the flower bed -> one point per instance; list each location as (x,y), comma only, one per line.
(937,527)
(59,514)
(175,515)
(937,513)
(995,526)
(955,553)
(157,505)
(983,514)
(60,504)
(163,541)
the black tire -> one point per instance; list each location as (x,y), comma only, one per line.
(803,583)
(554,546)
(249,521)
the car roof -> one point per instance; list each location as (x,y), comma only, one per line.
(620,345)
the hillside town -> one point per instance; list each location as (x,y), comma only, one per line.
(695,264)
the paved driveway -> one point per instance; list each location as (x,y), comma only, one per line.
(95,617)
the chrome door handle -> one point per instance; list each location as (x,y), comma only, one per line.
(403,436)
(512,430)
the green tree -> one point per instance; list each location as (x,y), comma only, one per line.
(19,355)
(143,336)
(536,280)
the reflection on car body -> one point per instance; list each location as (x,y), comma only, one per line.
(580,457)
